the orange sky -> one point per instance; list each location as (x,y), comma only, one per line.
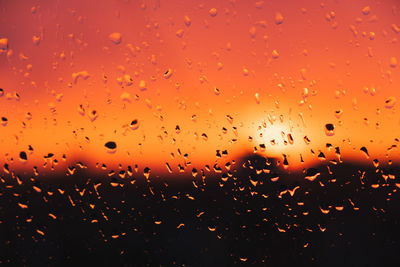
(111,57)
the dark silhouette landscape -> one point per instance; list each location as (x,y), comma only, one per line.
(255,213)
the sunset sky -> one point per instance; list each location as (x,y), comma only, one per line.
(198,77)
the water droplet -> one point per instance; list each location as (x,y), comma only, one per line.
(111,146)
(306,140)
(177,129)
(275,54)
(168,74)
(213,12)
(390,102)
(146,172)
(23,157)
(81,74)
(290,139)
(393,62)
(312,174)
(134,124)
(115,37)
(257,98)
(305,92)
(371,35)
(187,20)
(128,80)
(355,103)
(93,115)
(125,96)
(278,18)
(338,113)
(81,110)
(36,40)
(375,162)
(4,121)
(252,31)
(229,118)
(395,28)
(3,43)
(364,149)
(22,206)
(366,10)
(329,129)
(179,33)
(142,85)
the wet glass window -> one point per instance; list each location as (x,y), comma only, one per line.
(199,133)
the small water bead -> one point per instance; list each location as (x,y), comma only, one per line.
(146,172)
(365,151)
(179,33)
(23,157)
(329,129)
(142,85)
(115,37)
(36,40)
(134,125)
(278,18)
(168,74)
(111,146)
(275,54)
(3,43)
(393,62)
(4,121)
(187,20)
(366,10)
(338,113)
(390,102)
(213,12)
(257,98)
(93,114)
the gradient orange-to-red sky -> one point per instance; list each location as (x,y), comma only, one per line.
(271,66)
